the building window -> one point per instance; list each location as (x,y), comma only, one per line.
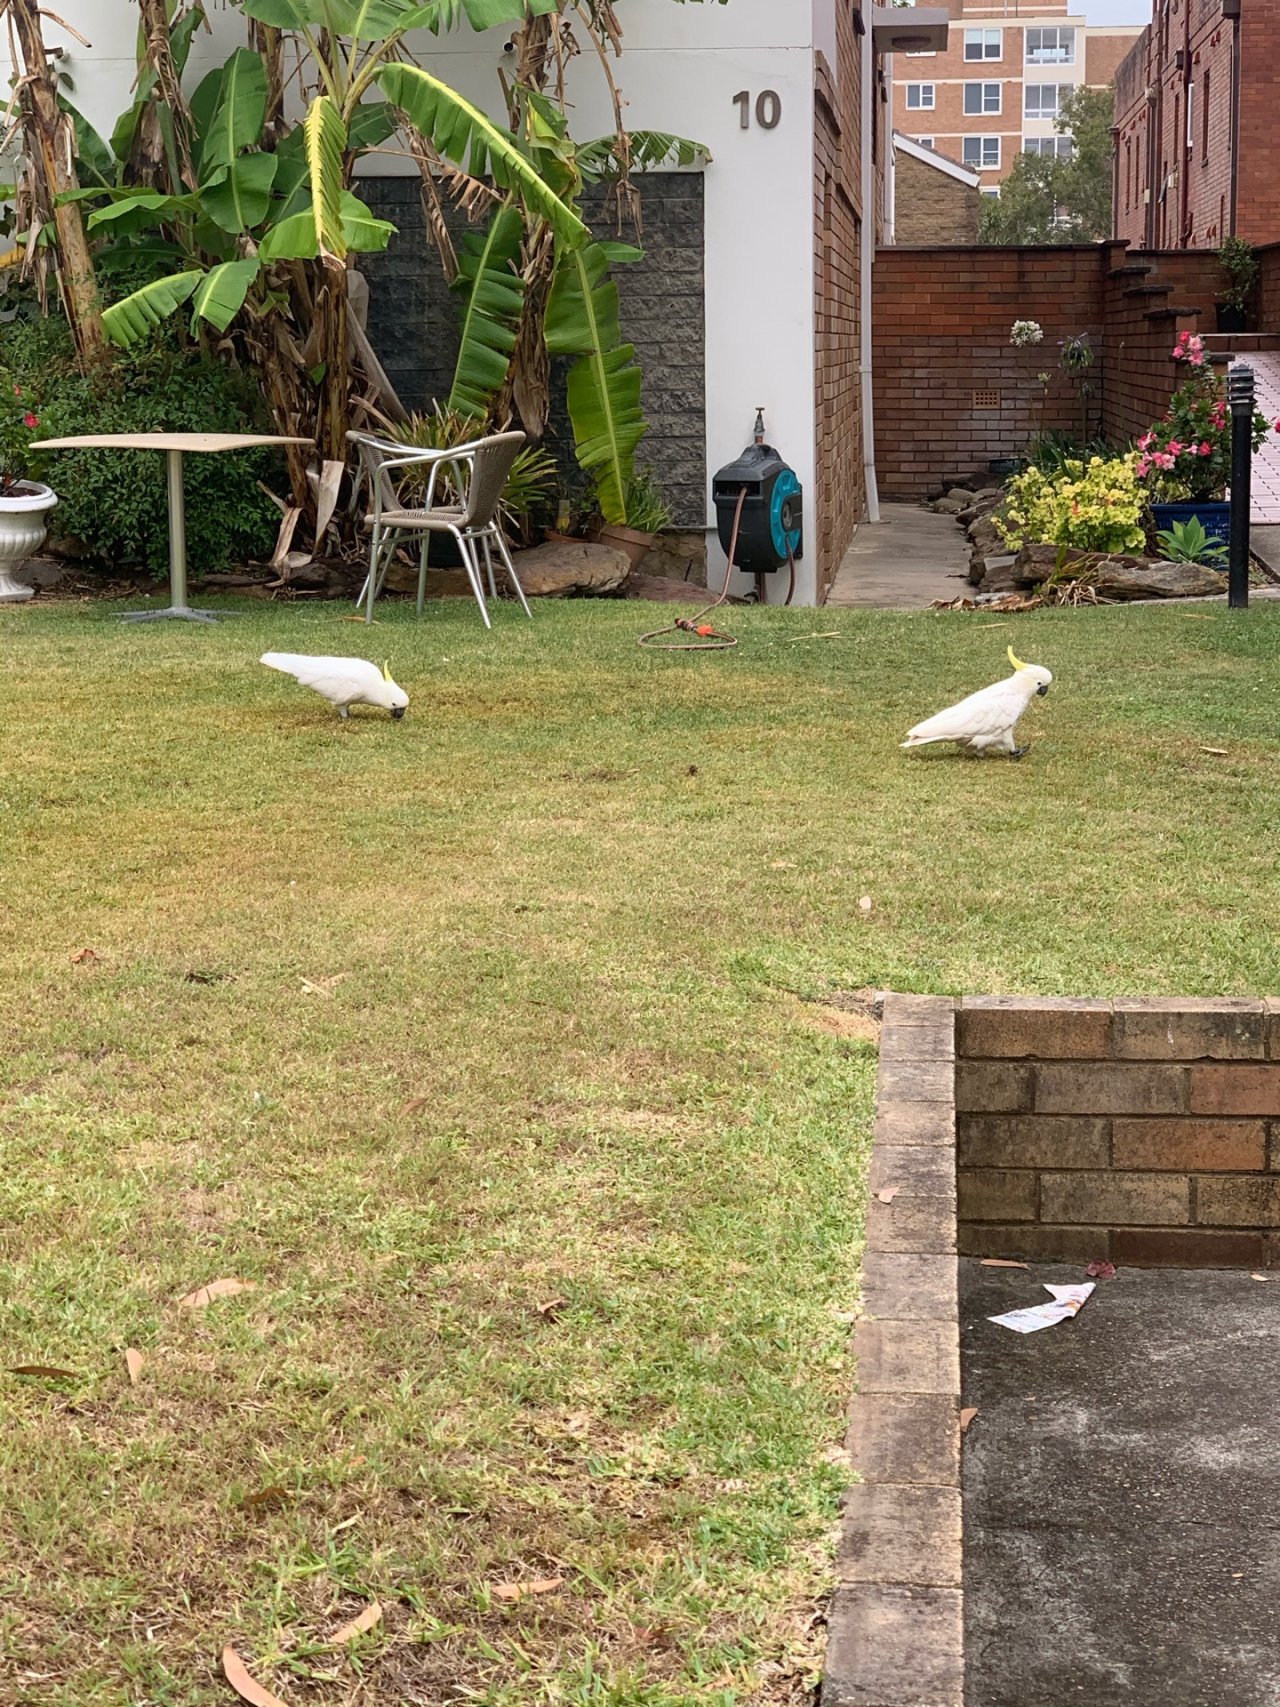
(920,97)
(1204,121)
(1051,46)
(1191,117)
(983,44)
(925,141)
(992,194)
(1056,147)
(922,53)
(982,153)
(982,98)
(1044,100)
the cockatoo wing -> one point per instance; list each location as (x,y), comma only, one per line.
(991,711)
(341,681)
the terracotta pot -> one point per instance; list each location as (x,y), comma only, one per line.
(636,545)
(22,531)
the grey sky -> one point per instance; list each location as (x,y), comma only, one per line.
(1117,11)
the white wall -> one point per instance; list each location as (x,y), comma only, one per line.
(682,66)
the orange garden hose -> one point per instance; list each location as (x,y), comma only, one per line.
(710,639)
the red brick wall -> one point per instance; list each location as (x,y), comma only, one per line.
(837,190)
(942,318)
(1144,1131)
(1174,188)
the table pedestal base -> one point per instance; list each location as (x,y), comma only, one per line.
(182,611)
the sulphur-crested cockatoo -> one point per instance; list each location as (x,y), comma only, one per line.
(985,722)
(343,681)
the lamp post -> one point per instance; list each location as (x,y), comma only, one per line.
(1240,393)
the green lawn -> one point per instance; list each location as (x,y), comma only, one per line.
(479,1044)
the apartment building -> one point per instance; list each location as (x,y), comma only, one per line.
(998,86)
(1193,127)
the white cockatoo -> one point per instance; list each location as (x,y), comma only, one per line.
(985,722)
(344,682)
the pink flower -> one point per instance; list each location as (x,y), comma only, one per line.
(30,421)
(1162,459)
(1176,447)
(1206,449)
(1143,467)
(17,391)
(1147,439)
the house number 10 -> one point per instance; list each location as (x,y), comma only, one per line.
(768,108)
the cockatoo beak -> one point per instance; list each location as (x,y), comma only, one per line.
(398,711)
(1043,689)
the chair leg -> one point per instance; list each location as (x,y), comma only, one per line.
(422,571)
(488,559)
(370,579)
(511,575)
(472,566)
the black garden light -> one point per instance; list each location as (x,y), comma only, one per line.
(1240,395)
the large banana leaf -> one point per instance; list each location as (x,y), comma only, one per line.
(485,14)
(220,295)
(604,383)
(648,149)
(294,238)
(464,135)
(140,212)
(492,294)
(239,198)
(326,139)
(362,231)
(363,20)
(239,113)
(134,316)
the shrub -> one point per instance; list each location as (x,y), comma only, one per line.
(1187,455)
(116,501)
(1093,506)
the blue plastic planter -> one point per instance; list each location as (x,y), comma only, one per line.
(1214,518)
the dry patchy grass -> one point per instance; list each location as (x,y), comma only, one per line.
(484,1047)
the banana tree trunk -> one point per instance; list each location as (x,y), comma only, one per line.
(52,153)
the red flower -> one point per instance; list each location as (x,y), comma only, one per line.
(17,391)
(30,421)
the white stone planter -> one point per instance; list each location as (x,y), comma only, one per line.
(22,531)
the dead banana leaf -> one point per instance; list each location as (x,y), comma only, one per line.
(246,1688)
(42,1369)
(363,1621)
(133,1363)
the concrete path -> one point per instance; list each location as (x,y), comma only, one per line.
(903,562)
(1121,1492)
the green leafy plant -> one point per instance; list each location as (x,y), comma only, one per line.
(1092,506)
(18,426)
(1242,266)
(647,511)
(531,484)
(1187,542)
(113,502)
(1052,450)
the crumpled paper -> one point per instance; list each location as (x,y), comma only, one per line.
(1067,1301)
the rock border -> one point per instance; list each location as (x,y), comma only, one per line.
(896,1625)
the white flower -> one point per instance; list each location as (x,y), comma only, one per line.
(1026,332)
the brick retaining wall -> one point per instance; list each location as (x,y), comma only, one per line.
(1147,1132)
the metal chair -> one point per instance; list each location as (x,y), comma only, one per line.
(479,473)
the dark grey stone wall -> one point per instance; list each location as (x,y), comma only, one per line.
(413,324)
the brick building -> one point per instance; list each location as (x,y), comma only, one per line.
(997,87)
(1193,126)
(930,199)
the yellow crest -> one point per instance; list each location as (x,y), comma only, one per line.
(1016,661)
(386,671)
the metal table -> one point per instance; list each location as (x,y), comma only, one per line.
(174,445)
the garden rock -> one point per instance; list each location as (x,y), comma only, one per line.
(564,569)
(953,503)
(994,574)
(1035,563)
(1117,578)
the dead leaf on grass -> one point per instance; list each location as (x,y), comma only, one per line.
(225,1288)
(888,1194)
(518,1591)
(415,1105)
(363,1621)
(233,1669)
(323,986)
(133,1361)
(552,1308)
(266,1497)
(1000,1262)
(45,1370)
(966,1417)
(1218,752)
(84,957)
(782,865)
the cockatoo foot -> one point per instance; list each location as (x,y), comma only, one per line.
(1019,752)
